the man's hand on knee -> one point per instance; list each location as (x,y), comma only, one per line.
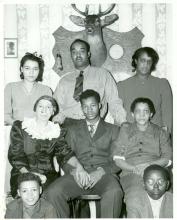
(95,176)
(81,177)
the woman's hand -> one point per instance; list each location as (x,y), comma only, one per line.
(139,169)
(42,177)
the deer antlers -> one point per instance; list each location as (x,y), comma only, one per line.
(81,12)
(100,14)
(107,11)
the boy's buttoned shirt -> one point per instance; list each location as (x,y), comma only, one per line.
(155,205)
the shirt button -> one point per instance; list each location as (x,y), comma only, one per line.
(91,155)
(91,165)
(140,149)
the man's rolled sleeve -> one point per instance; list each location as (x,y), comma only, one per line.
(115,104)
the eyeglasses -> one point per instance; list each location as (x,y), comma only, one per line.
(160,182)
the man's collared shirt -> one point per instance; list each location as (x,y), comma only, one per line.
(97,79)
(94,126)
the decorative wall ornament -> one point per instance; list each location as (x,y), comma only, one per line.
(101,41)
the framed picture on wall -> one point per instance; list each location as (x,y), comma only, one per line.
(10,47)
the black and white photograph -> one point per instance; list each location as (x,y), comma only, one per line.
(10,48)
(89,109)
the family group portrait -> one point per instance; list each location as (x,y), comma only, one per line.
(88,110)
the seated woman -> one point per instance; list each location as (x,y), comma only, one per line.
(19,97)
(139,145)
(34,142)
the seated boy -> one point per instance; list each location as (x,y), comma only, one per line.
(139,145)
(30,205)
(155,202)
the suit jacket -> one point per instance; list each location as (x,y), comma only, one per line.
(96,151)
(143,206)
(43,210)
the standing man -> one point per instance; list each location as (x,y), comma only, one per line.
(85,77)
(92,140)
(142,84)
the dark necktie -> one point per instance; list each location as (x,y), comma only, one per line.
(91,129)
(78,86)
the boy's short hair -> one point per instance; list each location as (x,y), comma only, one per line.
(155,167)
(143,100)
(28,177)
(89,93)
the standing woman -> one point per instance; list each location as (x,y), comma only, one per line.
(19,97)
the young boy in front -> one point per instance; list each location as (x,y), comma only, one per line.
(30,204)
(139,145)
(156,202)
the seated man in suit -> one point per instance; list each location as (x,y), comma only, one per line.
(92,140)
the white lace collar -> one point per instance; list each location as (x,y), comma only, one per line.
(50,131)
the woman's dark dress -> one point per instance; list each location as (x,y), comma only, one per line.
(36,155)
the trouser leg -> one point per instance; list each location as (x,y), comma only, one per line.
(60,191)
(110,191)
(132,186)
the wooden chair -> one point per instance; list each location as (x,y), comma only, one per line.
(75,205)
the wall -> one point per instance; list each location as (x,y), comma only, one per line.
(34,24)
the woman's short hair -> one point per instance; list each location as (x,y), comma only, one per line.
(51,100)
(28,177)
(143,100)
(89,93)
(150,52)
(33,57)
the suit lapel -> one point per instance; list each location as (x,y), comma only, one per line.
(149,207)
(101,129)
(84,129)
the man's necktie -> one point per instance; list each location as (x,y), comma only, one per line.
(91,129)
(78,86)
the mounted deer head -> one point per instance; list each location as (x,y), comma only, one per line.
(93,31)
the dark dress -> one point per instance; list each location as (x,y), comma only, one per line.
(36,155)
